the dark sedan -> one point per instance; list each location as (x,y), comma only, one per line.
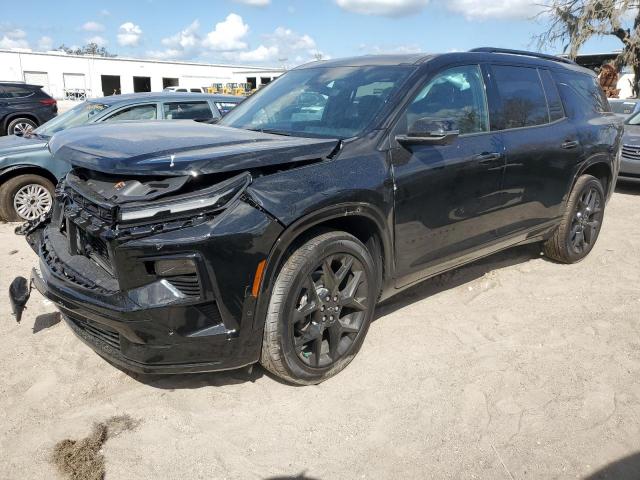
(27,172)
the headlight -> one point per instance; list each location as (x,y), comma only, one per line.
(211,198)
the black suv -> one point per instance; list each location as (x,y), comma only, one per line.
(23,107)
(181,247)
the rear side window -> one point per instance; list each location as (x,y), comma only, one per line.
(188,111)
(581,93)
(556,110)
(138,112)
(522,99)
(12,91)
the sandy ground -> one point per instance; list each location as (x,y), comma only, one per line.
(514,367)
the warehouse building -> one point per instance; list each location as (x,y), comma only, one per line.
(77,77)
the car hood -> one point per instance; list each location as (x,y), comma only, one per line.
(12,145)
(631,135)
(180,148)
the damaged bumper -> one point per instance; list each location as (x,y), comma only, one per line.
(169,301)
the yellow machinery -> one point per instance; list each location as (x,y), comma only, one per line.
(216,88)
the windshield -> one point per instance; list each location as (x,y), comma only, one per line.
(320,102)
(75,117)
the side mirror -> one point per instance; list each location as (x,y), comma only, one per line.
(429,132)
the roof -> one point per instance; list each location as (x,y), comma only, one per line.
(477,55)
(164,96)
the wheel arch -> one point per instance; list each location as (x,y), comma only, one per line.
(16,170)
(12,116)
(599,167)
(363,221)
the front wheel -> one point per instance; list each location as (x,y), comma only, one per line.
(320,309)
(580,226)
(25,197)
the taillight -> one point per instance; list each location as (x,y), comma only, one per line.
(48,101)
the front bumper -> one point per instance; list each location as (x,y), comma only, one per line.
(147,329)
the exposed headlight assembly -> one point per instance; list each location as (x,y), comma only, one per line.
(207,199)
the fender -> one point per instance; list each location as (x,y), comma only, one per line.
(602,159)
(309,221)
(26,114)
(31,168)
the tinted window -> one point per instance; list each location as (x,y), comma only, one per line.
(225,107)
(452,100)
(187,111)
(581,93)
(556,110)
(138,112)
(11,91)
(196,90)
(322,101)
(522,100)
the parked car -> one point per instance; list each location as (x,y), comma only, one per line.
(625,107)
(179,247)
(23,107)
(630,166)
(27,172)
(185,89)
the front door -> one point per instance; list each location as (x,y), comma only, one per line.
(447,197)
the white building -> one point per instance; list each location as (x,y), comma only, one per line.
(60,73)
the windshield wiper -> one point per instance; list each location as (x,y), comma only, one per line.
(272,132)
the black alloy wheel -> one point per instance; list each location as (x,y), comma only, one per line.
(320,309)
(580,226)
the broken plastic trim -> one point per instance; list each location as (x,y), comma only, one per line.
(209,198)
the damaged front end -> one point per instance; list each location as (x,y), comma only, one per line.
(155,273)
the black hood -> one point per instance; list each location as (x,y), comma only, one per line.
(175,148)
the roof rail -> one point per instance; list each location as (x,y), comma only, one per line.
(524,53)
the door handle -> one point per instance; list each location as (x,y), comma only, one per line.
(569,144)
(487,158)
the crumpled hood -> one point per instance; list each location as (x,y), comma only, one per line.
(178,148)
(12,145)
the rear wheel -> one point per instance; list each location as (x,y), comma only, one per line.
(25,197)
(320,309)
(21,126)
(581,223)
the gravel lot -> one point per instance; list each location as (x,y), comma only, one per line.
(513,367)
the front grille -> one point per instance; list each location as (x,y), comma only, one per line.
(97,249)
(99,332)
(631,152)
(189,285)
(105,214)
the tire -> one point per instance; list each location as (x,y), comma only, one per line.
(22,125)
(582,219)
(312,332)
(30,186)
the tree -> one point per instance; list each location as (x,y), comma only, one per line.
(573,22)
(89,49)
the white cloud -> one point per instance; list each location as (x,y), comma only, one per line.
(105,13)
(389,8)
(45,43)
(15,38)
(282,45)
(228,35)
(129,34)
(183,44)
(98,40)
(255,3)
(485,9)
(92,26)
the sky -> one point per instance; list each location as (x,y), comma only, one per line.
(276,32)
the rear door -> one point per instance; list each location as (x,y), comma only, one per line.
(542,146)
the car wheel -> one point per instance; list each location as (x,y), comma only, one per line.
(21,127)
(320,309)
(581,223)
(25,197)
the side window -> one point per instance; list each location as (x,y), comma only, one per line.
(556,110)
(523,103)
(225,107)
(12,91)
(137,112)
(187,111)
(581,93)
(196,90)
(453,100)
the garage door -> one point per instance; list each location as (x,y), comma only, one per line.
(74,81)
(37,78)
